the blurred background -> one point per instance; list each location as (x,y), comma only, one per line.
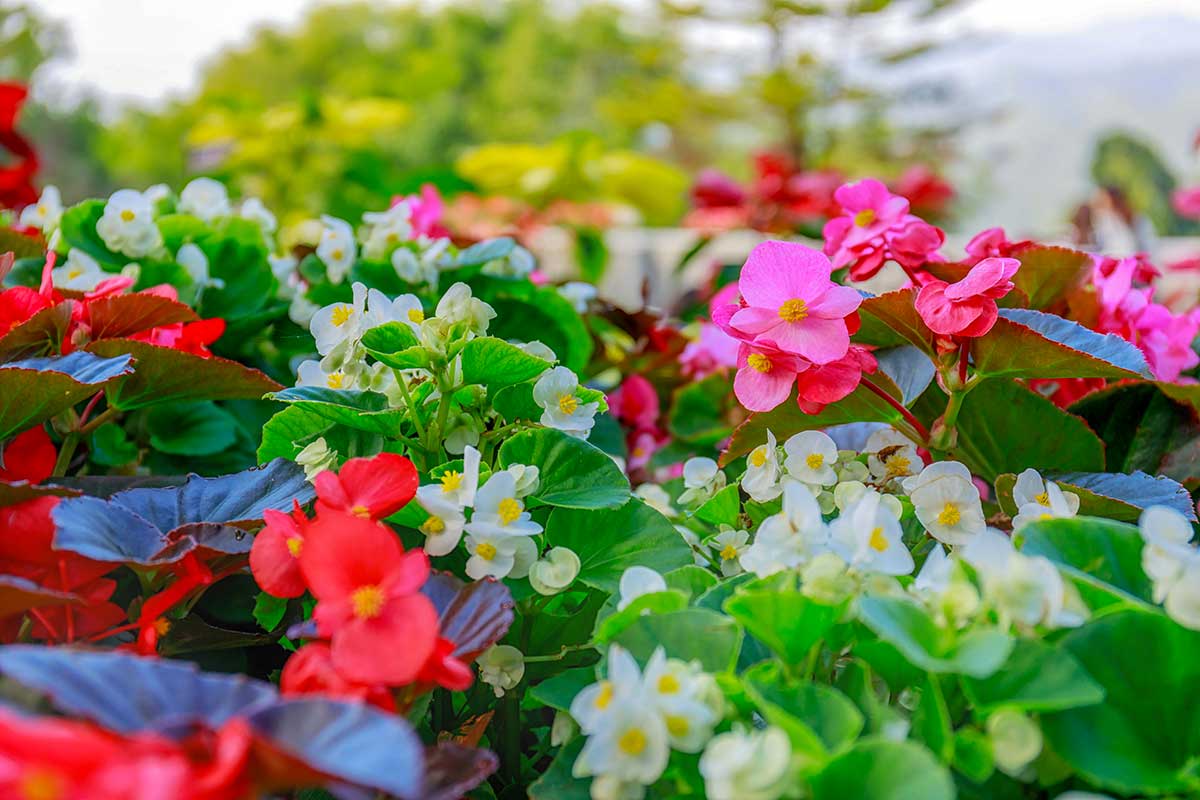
(1047,118)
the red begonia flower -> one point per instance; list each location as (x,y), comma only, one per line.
(310,670)
(30,456)
(371,488)
(275,555)
(444,670)
(821,385)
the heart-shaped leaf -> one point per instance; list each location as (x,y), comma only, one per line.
(1047,272)
(366,411)
(571,472)
(495,363)
(905,625)
(891,319)
(35,389)
(121,315)
(40,335)
(1104,558)
(1037,677)
(1034,344)
(881,769)
(395,344)
(909,368)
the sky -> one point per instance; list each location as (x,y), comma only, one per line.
(147,50)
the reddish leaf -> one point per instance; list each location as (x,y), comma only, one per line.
(18,595)
(35,389)
(1033,344)
(40,335)
(122,315)
(472,615)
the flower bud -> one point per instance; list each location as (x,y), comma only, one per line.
(316,458)
(555,572)
(501,667)
(825,580)
(1016,740)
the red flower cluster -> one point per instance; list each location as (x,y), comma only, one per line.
(376,628)
(875,227)
(16,179)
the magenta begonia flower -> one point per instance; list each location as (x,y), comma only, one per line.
(1187,202)
(967,308)
(792,305)
(819,386)
(871,208)
(765,376)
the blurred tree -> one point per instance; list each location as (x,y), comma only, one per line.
(27,40)
(1128,163)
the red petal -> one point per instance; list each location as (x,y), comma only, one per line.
(391,648)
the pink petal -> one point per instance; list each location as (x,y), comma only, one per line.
(837,302)
(779,271)
(818,340)
(754,321)
(984,276)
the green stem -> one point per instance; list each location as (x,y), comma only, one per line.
(65,453)
(412,407)
(105,416)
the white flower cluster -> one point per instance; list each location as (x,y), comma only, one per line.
(634,718)
(1172,562)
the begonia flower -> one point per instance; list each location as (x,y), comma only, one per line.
(371,488)
(275,554)
(967,308)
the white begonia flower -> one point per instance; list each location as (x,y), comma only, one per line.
(1015,738)
(491,555)
(340,324)
(127,225)
(1172,563)
(311,373)
(157,192)
(206,199)
(524,557)
(761,478)
(443,528)
(316,457)
(1057,505)
(464,431)
(46,213)
(406,308)
(790,538)
(811,456)
(557,392)
(537,350)
(685,696)
(890,454)
(386,230)
(747,765)
(869,537)
(610,787)
(458,305)
(195,264)
(637,581)
(563,729)
(578,294)
(700,550)
(458,488)
(415,268)
(555,571)
(519,263)
(943,588)
(254,210)
(702,478)
(302,310)
(656,497)
(1032,488)
(80,272)
(627,736)
(1026,590)
(946,502)
(499,512)
(729,545)
(596,702)
(502,667)
(527,479)
(336,248)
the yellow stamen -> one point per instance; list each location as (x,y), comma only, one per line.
(338,255)
(864,217)
(335,380)
(433,525)
(509,509)
(42,784)
(451,480)
(896,465)
(677,726)
(127,216)
(162,626)
(668,684)
(567,403)
(485,550)
(73,274)
(1043,499)
(759,362)
(729,552)
(367,601)
(949,515)
(632,742)
(759,456)
(605,695)
(341,315)
(878,541)
(814,460)
(416,315)
(361,511)
(295,545)
(793,310)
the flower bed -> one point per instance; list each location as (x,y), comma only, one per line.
(451,530)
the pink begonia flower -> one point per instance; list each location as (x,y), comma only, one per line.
(875,226)
(915,243)
(791,303)
(425,212)
(641,447)
(1166,340)
(1187,202)
(819,386)
(712,350)
(967,308)
(870,208)
(765,376)
(635,403)
(992,243)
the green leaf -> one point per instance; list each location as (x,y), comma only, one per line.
(516,402)
(931,719)
(571,472)
(973,754)
(237,256)
(978,652)
(191,429)
(723,508)
(291,430)
(269,610)
(366,411)
(557,782)
(1145,736)
(1047,272)
(691,579)
(1103,557)
(525,313)
(608,541)
(163,375)
(481,253)
(819,720)
(1037,677)
(558,691)
(880,769)
(110,446)
(694,633)
(784,620)
(495,363)
(1034,344)
(608,628)
(699,411)
(1006,427)
(36,389)
(396,345)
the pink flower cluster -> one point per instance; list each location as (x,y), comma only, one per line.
(1187,202)
(875,226)
(1127,309)
(635,403)
(992,243)
(793,325)
(967,308)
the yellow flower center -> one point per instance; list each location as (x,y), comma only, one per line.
(433,525)
(367,601)
(605,695)
(295,545)
(896,465)
(1043,499)
(814,460)
(335,380)
(341,315)
(759,456)
(567,403)
(793,310)
(416,315)
(361,511)
(338,255)
(729,552)
(73,274)
(668,684)
(949,515)
(677,726)
(864,217)
(451,480)
(632,742)
(41,211)
(485,550)
(509,509)
(759,362)
(878,541)
(42,784)
(127,216)
(393,237)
